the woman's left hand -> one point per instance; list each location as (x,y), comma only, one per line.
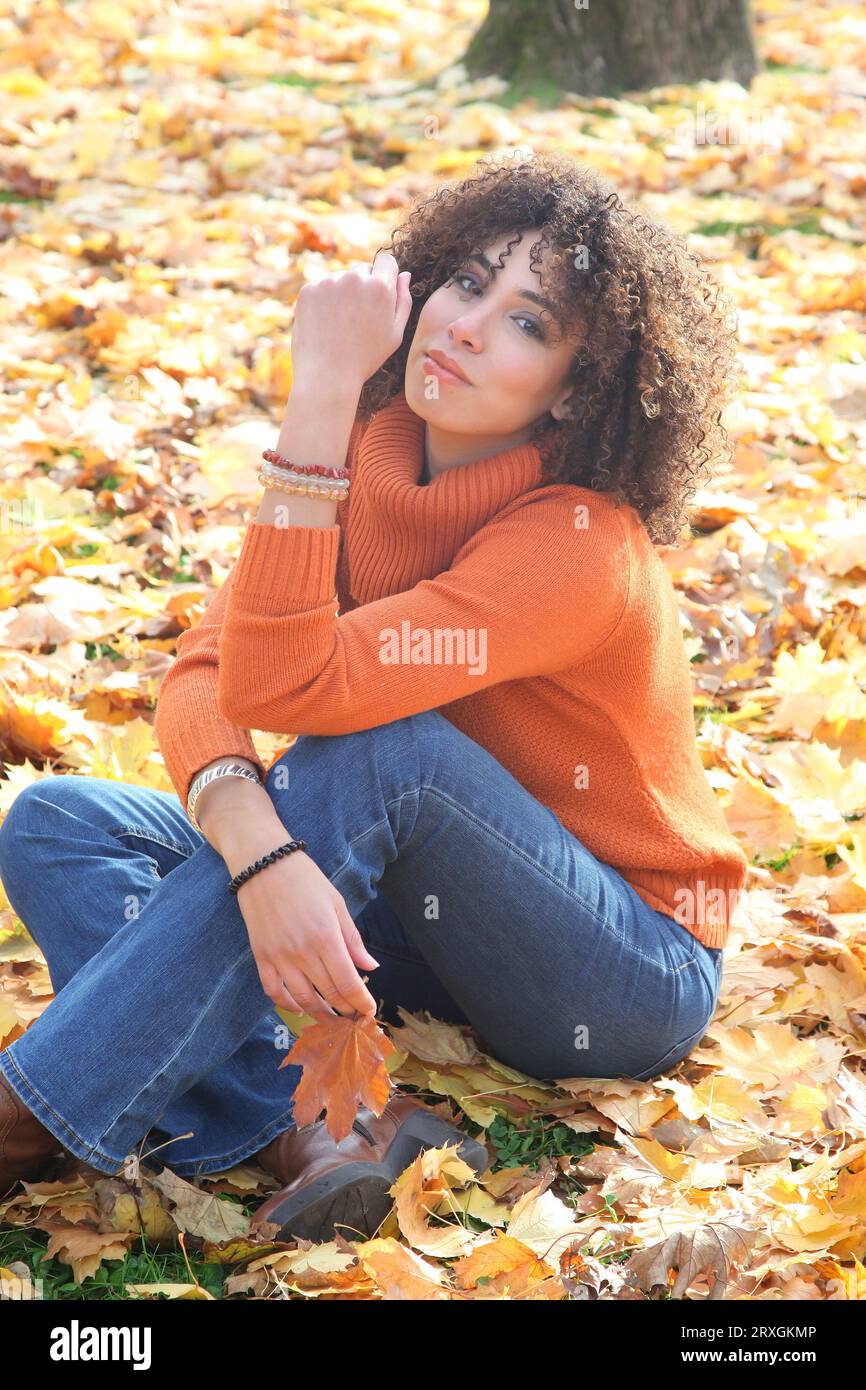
(348,324)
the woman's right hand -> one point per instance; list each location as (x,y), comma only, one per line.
(304,939)
(301,932)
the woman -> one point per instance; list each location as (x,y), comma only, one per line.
(496,782)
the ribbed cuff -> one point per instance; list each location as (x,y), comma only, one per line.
(705,906)
(201,742)
(286,569)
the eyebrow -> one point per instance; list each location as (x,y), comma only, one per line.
(522,294)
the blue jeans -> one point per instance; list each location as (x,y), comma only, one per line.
(479,905)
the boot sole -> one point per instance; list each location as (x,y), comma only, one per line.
(355,1197)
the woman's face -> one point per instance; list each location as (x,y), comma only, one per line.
(491,325)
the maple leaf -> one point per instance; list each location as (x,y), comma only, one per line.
(712,1249)
(344,1066)
(84,1248)
(401,1273)
(200,1213)
(504,1264)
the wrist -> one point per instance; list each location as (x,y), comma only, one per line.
(323,383)
(318,420)
(240,850)
(230,801)
(240,845)
(316,428)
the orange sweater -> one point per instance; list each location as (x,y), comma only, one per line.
(537,619)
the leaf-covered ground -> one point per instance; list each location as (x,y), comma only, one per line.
(170,175)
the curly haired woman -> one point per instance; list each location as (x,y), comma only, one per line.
(496,784)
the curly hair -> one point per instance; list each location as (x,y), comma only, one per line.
(656,360)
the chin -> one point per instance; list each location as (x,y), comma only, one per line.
(427,408)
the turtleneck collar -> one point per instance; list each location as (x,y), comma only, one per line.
(400,530)
(396,436)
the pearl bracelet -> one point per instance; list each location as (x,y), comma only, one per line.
(339,486)
(305,487)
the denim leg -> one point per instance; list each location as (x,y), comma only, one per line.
(403,976)
(79,856)
(532,937)
(550,954)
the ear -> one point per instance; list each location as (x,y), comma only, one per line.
(562,409)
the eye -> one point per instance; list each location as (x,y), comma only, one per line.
(535,330)
(464,276)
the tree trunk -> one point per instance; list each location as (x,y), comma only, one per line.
(605,47)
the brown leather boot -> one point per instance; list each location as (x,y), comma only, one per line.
(327,1185)
(28,1150)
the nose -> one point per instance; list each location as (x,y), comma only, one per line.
(463,330)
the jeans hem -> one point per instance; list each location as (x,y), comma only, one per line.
(71,1141)
(187,1167)
(51,1120)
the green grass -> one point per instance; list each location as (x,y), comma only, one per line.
(808,225)
(515,1144)
(780,861)
(294,79)
(547,95)
(140,1266)
(772,66)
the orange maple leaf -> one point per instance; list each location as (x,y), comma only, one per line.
(343,1061)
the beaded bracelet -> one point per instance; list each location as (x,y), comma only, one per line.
(306,488)
(272,456)
(275,475)
(287,848)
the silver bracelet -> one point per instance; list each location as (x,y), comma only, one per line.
(209,775)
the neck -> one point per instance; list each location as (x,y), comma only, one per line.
(444,450)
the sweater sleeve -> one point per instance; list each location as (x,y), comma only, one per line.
(189,728)
(528,594)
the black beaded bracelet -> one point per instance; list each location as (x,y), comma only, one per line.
(287,848)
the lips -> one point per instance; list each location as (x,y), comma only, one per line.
(446,368)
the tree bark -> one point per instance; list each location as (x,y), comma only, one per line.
(605,47)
